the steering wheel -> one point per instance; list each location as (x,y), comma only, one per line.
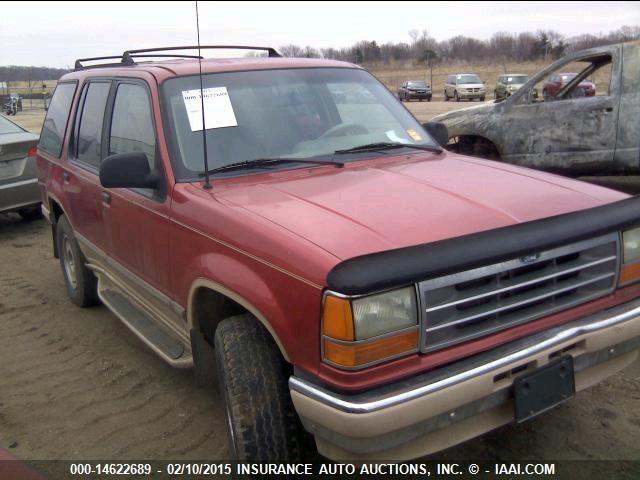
(343,129)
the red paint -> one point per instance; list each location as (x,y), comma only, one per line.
(558,81)
(272,238)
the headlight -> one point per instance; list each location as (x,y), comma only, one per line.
(384,313)
(367,330)
(631,245)
(630,271)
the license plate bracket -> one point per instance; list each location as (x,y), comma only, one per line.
(544,388)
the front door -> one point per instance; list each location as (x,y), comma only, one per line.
(137,219)
(571,133)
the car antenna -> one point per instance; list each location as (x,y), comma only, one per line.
(207,183)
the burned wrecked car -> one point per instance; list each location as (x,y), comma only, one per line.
(567,133)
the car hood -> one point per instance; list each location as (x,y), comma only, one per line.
(471,85)
(370,206)
(457,118)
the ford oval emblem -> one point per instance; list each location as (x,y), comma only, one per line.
(530,258)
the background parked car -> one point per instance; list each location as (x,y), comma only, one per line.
(414,89)
(18,179)
(464,86)
(508,84)
(558,81)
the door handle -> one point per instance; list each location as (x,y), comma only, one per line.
(106,198)
(66,176)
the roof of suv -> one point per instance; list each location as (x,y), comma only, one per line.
(181,67)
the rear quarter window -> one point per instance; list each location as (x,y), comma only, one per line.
(55,123)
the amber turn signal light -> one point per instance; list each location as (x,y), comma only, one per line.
(630,273)
(337,320)
(359,354)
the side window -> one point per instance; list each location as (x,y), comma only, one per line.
(585,77)
(132,124)
(89,141)
(55,123)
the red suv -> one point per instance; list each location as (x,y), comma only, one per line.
(558,81)
(315,250)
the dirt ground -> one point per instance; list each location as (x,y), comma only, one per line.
(76,384)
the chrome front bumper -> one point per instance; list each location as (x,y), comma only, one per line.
(441,408)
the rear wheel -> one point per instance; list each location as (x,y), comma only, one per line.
(80,282)
(262,425)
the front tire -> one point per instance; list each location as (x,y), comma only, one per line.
(262,424)
(446,97)
(456,97)
(81,283)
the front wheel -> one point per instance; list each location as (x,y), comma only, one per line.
(80,281)
(456,97)
(262,424)
(446,97)
(482,99)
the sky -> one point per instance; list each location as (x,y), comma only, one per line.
(54,34)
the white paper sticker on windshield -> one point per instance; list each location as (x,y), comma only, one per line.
(218,111)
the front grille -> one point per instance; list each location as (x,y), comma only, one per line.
(474,303)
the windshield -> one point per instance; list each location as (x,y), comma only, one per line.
(418,84)
(463,79)
(566,77)
(300,113)
(517,79)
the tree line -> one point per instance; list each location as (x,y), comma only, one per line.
(502,46)
(15,73)
(421,48)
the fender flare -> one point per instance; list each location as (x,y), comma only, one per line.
(202,282)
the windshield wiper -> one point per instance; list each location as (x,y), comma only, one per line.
(259,162)
(371,147)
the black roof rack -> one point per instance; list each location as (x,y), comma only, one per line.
(126,59)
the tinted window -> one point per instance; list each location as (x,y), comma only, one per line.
(131,123)
(90,131)
(56,121)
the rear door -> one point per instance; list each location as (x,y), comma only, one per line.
(81,184)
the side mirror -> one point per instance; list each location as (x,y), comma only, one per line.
(438,131)
(127,170)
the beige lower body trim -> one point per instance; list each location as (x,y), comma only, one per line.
(385,423)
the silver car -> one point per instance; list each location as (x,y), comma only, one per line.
(464,86)
(18,179)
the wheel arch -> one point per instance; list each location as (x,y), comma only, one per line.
(470,139)
(56,211)
(209,303)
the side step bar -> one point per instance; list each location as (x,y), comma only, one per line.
(146,329)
